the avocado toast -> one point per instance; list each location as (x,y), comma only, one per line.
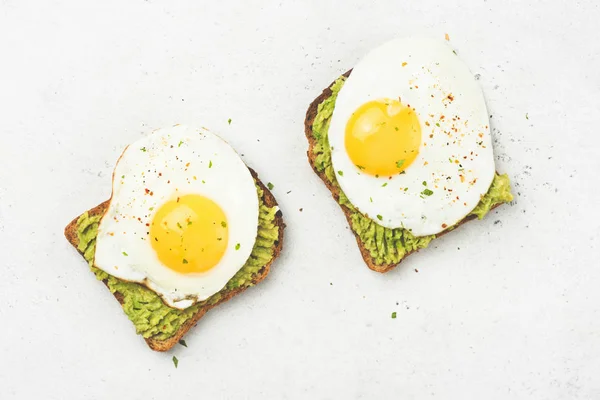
(162,326)
(381,248)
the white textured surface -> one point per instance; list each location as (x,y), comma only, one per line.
(507,307)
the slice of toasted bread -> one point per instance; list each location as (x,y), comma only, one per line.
(166,344)
(311,114)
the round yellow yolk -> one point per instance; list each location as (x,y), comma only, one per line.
(383,137)
(189,234)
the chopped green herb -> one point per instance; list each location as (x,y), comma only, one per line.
(180,143)
(219,238)
(341,173)
(151,208)
(203,181)
(270,186)
(427,192)
(189,223)
(394,315)
(179,225)
(360,167)
(399,163)
(424,183)
(384,185)
(370,198)
(527,115)
(379,217)
(185,261)
(183,343)
(229,121)
(125,254)
(405,189)
(143,149)
(237,246)
(454,51)
(437,124)
(224,224)
(396,128)
(175,361)
(210,164)
(122,176)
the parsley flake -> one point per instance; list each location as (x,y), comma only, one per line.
(360,167)
(370,198)
(143,149)
(237,246)
(224,224)
(424,183)
(185,261)
(270,186)
(175,361)
(384,185)
(229,121)
(189,223)
(183,343)
(527,116)
(341,173)
(394,315)
(427,192)
(125,254)
(179,226)
(399,163)
(180,143)
(379,217)
(210,164)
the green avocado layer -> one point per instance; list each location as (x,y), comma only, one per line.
(386,246)
(151,317)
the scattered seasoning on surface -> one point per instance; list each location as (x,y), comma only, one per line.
(182,342)
(270,186)
(175,361)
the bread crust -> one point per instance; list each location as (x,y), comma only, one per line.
(311,114)
(166,344)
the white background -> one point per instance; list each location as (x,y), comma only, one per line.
(504,308)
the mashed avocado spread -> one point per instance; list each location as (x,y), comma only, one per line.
(151,317)
(386,246)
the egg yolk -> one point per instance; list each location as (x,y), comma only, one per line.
(383,137)
(189,234)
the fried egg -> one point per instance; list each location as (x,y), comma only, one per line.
(410,138)
(183,216)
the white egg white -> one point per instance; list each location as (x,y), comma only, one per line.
(455,165)
(168,163)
